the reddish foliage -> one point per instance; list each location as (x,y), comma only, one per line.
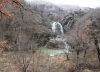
(4,44)
(4,11)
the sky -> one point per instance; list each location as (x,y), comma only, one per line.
(84,3)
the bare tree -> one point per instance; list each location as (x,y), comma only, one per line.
(23,61)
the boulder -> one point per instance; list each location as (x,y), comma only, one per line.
(86,70)
(56,44)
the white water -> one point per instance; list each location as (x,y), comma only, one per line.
(61,39)
(55,25)
(66,47)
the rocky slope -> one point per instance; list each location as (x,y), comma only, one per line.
(69,20)
(36,27)
(26,29)
(84,38)
(29,31)
(72,8)
(56,10)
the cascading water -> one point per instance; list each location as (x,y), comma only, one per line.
(57,25)
(66,47)
(61,39)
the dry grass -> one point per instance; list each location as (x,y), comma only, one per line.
(37,62)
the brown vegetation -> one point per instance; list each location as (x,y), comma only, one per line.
(4,11)
(84,37)
(26,31)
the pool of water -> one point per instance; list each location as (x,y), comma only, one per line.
(52,52)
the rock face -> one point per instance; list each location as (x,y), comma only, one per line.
(56,45)
(69,20)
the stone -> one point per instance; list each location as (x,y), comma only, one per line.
(86,70)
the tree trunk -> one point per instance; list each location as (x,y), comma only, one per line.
(67,58)
(98,50)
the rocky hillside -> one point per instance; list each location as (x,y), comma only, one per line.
(31,32)
(84,38)
(33,27)
(45,5)
(26,29)
(72,8)
(47,9)
(54,10)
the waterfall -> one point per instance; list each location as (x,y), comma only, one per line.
(66,47)
(57,26)
(61,39)
(54,26)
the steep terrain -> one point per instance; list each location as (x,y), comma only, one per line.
(56,12)
(72,8)
(25,29)
(84,38)
(32,32)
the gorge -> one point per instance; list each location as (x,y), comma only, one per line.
(44,37)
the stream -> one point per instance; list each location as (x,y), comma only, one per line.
(57,27)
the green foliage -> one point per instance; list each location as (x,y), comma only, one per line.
(72,24)
(40,38)
(49,14)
